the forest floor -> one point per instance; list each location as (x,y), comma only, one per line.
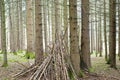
(100,70)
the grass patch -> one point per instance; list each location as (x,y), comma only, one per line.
(5,65)
(91,70)
(81,74)
(13,58)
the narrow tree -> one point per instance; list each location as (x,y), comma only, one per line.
(112,34)
(119,28)
(105,35)
(45,25)
(17,27)
(12,49)
(3,33)
(74,41)
(65,22)
(0,25)
(57,19)
(85,41)
(21,25)
(38,33)
(29,27)
(100,31)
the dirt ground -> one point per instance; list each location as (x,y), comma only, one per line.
(101,71)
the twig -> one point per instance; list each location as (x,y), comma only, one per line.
(21,64)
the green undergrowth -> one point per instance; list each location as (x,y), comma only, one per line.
(4,65)
(17,56)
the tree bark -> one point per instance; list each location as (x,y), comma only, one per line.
(29,26)
(74,41)
(85,40)
(38,33)
(3,34)
(112,34)
(105,35)
(119,28)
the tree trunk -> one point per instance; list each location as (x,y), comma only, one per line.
(96,28)
(105,35)
(112,34)
(100,32)
(74,41)
(12,46)
(119,28)
(45,25)
(3,34)
(38,33)
(0,25)
(21,26)
(29,26)
(65,23)
(17,25)
(57,20)
(85,40)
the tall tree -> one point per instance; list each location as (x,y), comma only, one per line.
(3,33)
(0,25)
(112,33)
(21,25)
(85,41)
(29,26)
(57,19)
(38,33)
(53,21)
(119,28)
(96,28)
(65,22)
(12,49)
(45,24)
(74,41)
(17,27)
(105,35)
(100,31)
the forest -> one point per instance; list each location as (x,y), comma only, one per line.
(59,39)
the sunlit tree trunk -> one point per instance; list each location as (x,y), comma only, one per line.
(38,33)
(3,34)
(45,25)
(74,41)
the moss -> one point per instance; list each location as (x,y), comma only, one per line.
(81,74)
(91,70)
(70,73)
(4,65)
(29,55)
